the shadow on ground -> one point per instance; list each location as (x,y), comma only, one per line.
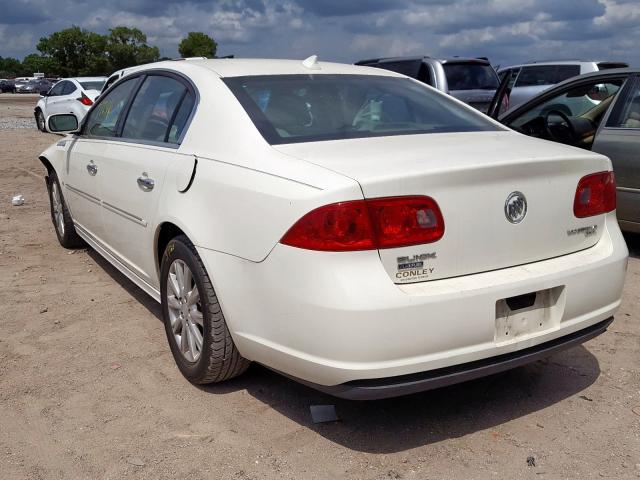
(395,425)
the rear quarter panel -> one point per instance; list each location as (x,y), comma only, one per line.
(245,195)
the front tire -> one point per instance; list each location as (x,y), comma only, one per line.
(40,121)
(60,216)
(197,332)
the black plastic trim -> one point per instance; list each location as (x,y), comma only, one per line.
(379,388)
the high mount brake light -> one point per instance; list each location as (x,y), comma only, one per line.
(371,224)
(595,194)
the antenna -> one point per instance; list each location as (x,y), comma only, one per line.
(311,63)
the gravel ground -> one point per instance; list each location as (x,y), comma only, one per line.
(89,390)
(16,111)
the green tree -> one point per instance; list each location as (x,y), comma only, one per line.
(10,67)
(76,51)
(127,47)
(198,44)
(38,63)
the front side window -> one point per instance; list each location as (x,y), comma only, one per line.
(69,88)
(576,102)
(627,113)
(308,108)
(103,119)
(152,111)
(57,89)
(470,76)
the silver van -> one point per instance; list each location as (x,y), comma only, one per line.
(471,80)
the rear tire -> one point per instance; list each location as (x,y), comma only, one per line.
(60,216)
(197,332)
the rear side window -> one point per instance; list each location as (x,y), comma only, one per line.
(103,119)
(470,76)
(181,117)
(410,68)
(154,109)
(93,85)
(546,75)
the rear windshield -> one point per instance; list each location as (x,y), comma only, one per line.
(546,75)
(309,108)
(470,76)
(92,85)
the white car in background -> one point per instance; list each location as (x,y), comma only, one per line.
(69,95)
(347,226)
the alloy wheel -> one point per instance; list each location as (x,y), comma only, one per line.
(58,210)
(185,311)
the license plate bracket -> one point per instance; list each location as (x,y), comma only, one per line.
(527,314)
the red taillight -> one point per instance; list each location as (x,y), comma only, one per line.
(596,194)
(368,224)
(83,99)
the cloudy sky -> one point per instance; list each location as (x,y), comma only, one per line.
(507,31)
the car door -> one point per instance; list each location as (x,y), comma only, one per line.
(133,168)
(569,113)
(83,173)
(619,139)
(53,97)
(68,97)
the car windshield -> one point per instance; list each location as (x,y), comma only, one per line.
(308,108)
(92,84)
(470,76)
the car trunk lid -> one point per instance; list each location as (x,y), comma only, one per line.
(471,176)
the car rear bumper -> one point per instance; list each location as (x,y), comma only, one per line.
(379,388)
(332,319)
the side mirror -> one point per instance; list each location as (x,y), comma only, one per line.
(63,123)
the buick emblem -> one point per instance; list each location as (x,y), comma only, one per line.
(515,208)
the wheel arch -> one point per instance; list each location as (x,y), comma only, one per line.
(47,164)
(164,233)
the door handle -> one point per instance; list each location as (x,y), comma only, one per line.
(145,183)
(92,168)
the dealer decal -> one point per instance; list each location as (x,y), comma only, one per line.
(413,267)
(412,274)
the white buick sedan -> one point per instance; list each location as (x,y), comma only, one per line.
(349,227)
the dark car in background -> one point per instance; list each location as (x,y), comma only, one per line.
(44,85)
(471,80)
(7,86)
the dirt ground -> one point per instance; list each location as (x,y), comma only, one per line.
(89,390)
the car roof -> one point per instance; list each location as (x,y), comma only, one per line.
(238,67)
(603,73)
(557,62)
(479,60)
(86,79)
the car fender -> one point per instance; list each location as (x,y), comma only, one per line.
(56,156)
